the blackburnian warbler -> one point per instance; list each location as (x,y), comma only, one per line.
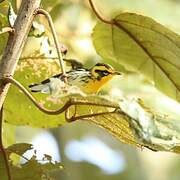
(89,81)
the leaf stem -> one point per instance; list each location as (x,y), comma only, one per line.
(38,57)
(2,150)
(86,116)
(51,25)
(69,103)
(98,15)
(33,100)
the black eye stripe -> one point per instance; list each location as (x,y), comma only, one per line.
(102,73)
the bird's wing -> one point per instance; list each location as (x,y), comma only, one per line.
(74,63)
(48,80)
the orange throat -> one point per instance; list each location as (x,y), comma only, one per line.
(94,86)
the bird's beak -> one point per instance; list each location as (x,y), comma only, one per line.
(116,73)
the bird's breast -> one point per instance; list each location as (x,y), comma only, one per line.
(94,86)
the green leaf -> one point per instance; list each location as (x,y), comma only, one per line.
(8,134)
(142,45)
(130,121)
(15,152)
(32,169)
(3,21)
(19,148)
(3,40)
(4,6)
(24,112)
(19,110)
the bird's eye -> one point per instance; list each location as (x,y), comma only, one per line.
(105,73)
(102,73)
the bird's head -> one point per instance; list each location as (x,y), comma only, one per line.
(103,72)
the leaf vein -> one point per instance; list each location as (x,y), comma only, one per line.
(120,26)
(177,45)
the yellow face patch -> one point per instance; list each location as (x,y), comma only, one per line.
(101,74)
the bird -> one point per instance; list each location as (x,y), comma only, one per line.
(89,81)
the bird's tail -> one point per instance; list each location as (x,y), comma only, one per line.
(38,88)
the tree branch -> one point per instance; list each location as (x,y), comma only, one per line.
(16,42)
(51,25)
(6,29)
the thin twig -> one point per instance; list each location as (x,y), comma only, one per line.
(6,29)
(33,100)
(98,15)
(2,147)
(60,110)
(51,25)
(37,57)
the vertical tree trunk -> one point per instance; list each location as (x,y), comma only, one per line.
(16,42)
